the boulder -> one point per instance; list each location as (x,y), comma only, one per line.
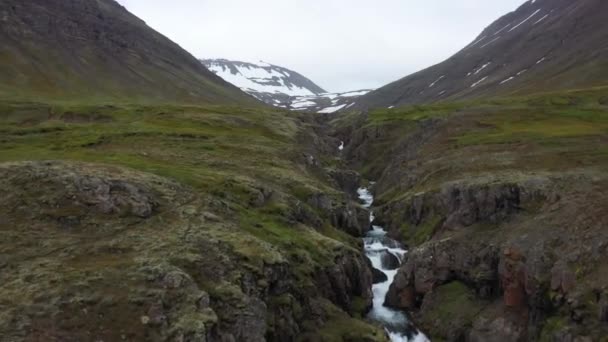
(378,276)
(390,261)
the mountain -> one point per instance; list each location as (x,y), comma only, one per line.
(544,45)
(269,83)
(95,50)
(281,87)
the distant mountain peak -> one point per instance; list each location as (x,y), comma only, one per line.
(263,77)
(280,87)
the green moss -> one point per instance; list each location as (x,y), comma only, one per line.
(417,235)
(338,326)
(453,302)
(225,292)
(413,113)
(359,307)
(308,249)
(552,326)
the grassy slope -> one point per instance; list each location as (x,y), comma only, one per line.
(551,132)
(504,138)
(223,155)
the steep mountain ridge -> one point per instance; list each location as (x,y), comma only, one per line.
(95,50)
(544,45)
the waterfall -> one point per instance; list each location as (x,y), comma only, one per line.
(386,255)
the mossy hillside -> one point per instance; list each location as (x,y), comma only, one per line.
(201,146)
(341,327)
(235,174)
(544,133)
(230,156)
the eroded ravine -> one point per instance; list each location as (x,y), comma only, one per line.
(386,256)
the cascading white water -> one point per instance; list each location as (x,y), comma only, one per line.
(378,248)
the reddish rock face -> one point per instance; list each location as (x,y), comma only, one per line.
(513,278)
(406,298)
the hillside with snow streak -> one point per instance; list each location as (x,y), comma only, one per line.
(544,45)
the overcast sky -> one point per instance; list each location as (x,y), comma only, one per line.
(339,44)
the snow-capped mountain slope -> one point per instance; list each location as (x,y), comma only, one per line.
(326,103)
(270,83)
(544,45)
(280,86)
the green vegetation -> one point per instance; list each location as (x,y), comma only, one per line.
(455,299)
(341,327)
(550,132)
(359,307)
(453,306)
(417,235)
(231,184)
(546,125)
(553,326)
(413,113)
(200,146)
(231,153)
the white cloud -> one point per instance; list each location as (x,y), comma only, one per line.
(339,44)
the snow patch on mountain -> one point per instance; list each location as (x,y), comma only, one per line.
(478,82)
(281,87)
(525,20)
(260,77)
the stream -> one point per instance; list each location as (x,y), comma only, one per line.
(386,255)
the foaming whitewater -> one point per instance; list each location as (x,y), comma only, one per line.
(379,247)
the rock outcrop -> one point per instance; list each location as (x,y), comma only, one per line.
(506,255)
(151,259)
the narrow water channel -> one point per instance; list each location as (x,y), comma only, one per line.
(386,255)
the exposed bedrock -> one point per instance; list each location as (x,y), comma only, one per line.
(505,261)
